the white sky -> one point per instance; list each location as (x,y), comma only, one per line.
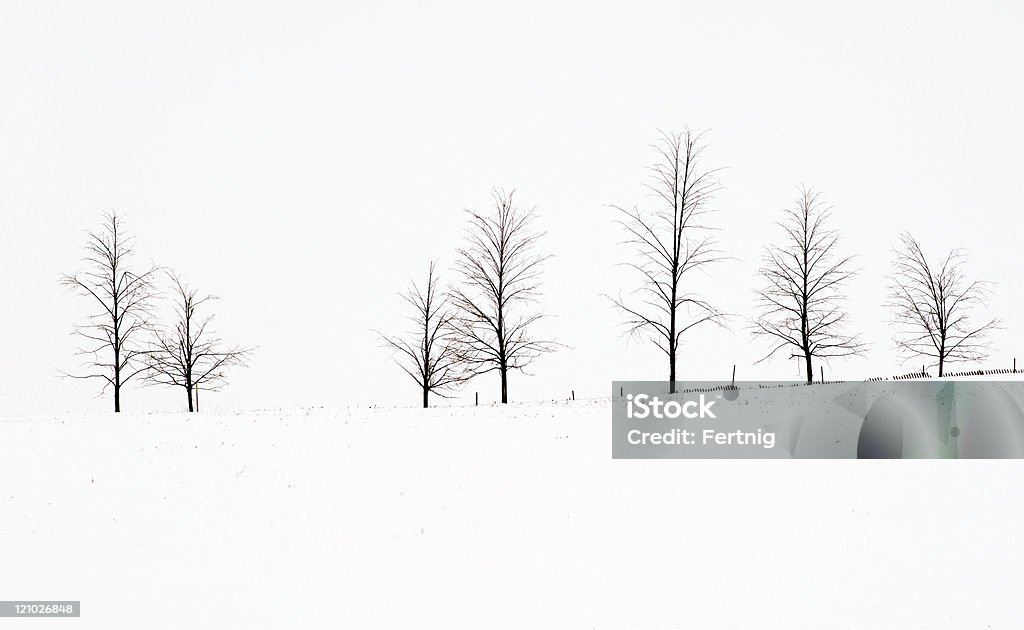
(303,160)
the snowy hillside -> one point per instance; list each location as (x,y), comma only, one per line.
(485,517)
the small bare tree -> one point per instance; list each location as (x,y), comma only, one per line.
(672,241)
(189,355)
(933,305)
(113,334)
(501,272)
(801,303)
(428,352)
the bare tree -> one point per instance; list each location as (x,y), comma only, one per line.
(112,334)
(932,306)
(190,355)
(672,241)
(428,353)
(501,272)
(801,303)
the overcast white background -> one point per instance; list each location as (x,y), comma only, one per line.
(304,160)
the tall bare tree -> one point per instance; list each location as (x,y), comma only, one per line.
(189,354)
(672,241)
(113,334)
(801,302)
(933,305)
(495,306)
(428,352)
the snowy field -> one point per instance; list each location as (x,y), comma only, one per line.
(486,517)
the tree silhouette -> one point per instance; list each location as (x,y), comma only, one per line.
(188,354)
(671,241)
(800,304)
(428,352)
(501,272)
(933,305)
(113,334)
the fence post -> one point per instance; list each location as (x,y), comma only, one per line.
(477,402)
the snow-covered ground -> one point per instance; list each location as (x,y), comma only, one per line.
(486,517)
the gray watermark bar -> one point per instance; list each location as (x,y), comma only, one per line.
(913,419)
(48,608)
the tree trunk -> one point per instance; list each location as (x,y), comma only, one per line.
(672,371)
(426,392)
(117,378)
(804,328)
(940,366)
(504,383)
(116,346)
(672,345)
(188,390)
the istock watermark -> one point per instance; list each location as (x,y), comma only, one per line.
(647,406)
(654,407)
(948,419)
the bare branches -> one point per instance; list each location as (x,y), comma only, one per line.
(801,305)
(932,306)
(428,352)
(501,271)
(123,301)
(190,355)
(671,242)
